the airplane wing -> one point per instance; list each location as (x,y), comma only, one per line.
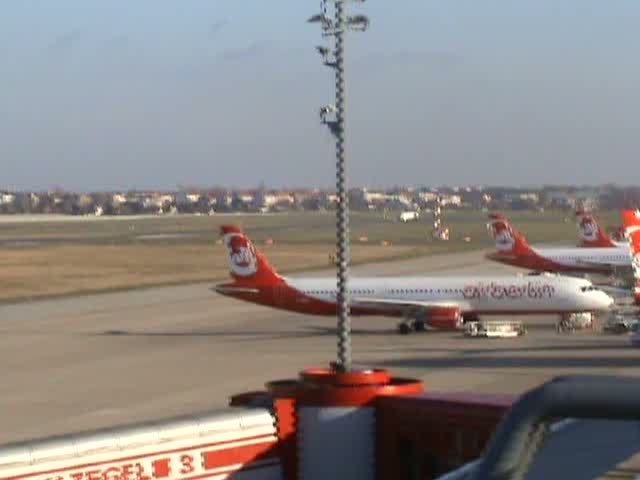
(392,304)
(440,315)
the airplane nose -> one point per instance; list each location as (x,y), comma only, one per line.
(608,300)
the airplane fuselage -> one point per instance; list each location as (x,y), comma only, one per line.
(600,260)
(388,295)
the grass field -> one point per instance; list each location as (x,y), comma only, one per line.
(68,256)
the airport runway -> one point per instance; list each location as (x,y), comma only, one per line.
(89,362)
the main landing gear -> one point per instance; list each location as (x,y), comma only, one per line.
(411,325)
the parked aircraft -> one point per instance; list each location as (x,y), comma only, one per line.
(513,249)
(434,302)
(592,234)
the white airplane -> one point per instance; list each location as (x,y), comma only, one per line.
(592,235)
(513,249)
(435,302)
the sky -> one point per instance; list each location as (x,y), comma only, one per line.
(114,94)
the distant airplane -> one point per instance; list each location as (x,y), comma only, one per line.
(593,235)
(435,302)
(512,249)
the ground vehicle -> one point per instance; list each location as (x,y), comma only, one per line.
(409,216)
(575,321)
(495,329)
(618,323)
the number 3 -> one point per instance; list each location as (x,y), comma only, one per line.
(187,464)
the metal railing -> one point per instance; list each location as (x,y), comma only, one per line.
(535,415)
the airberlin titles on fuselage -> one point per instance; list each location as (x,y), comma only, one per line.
(498,291)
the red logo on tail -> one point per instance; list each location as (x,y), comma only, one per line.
(503,236)
(589,229)
(242,254)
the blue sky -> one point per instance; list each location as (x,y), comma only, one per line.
(155,94)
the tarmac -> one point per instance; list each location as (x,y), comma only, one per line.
(89,362)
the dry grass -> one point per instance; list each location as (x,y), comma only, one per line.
(71,269)
(49,258)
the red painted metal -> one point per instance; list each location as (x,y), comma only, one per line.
(424,436)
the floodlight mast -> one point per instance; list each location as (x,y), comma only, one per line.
(333,116)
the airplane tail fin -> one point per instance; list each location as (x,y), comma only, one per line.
(631,225)
(508,240)
(591,234)
(248,266)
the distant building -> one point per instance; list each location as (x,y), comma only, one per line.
(562,200)
(118,199)
(186,198)
(7,198)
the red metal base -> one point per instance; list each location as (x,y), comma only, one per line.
(327,387)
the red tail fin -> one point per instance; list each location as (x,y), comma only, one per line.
(631,225)
(248,266)
(591,235)
(508,240)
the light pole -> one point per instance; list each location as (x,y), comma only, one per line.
(333,116)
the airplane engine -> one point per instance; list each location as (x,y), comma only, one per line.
(445,318)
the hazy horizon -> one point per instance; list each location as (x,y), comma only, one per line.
(153,94)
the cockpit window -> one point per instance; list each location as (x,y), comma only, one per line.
(589,288)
